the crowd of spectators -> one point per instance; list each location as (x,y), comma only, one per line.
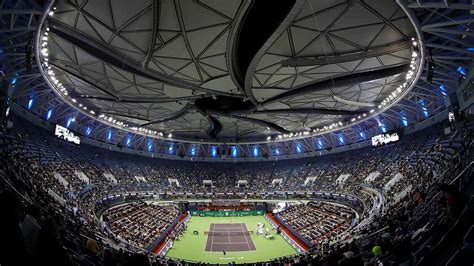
(139,223)
(60,211)
(317,221)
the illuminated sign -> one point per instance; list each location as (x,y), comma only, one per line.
(64,134)
(384,139)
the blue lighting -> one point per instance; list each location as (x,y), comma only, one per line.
(255,151)
(423,108)
(14,80)
(234,151)
(403,119)
(341,138)
(443,90)
(470,49)
(298,147)
(193,150)
(213,151)
(462,70)
(362,135)
(276,151)
(88,131)
(129,141)
(149,145)
(382,127)
(171,148)
(49,114)
(69,121)
(109,134)
(30,103)
(320,144)
(404,122)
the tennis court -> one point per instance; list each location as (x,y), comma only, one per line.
(229,237)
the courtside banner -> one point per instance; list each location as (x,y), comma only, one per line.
(226,213)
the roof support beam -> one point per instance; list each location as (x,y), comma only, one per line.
(450,48)
(154,35)
(263,123)
(441,63)
(161,100)
(341,58)
(184,35)
(20,11)
(83,80)
(452,22)
(349,102)
(109,56)
(450,31)
(441,5)
(319,111)
(215,126)
(346,80)
(172,116)
(19,28)
(284,24)
(449,57)
(447,37)
(113,112)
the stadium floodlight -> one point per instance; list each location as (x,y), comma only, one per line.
(49,114)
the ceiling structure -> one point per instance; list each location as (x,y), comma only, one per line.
(209,71)
(178,51)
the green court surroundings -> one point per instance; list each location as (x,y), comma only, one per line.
(191,246)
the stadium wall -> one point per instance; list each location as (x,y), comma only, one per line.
(22,113)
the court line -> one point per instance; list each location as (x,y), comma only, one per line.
(225,229)
(212,238)
(229,243)
(214,228)
(246,240)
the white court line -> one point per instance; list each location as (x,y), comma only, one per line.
(212,238)
(227,225)
(214,228)
(233,243)
(226,230)
(245,235)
